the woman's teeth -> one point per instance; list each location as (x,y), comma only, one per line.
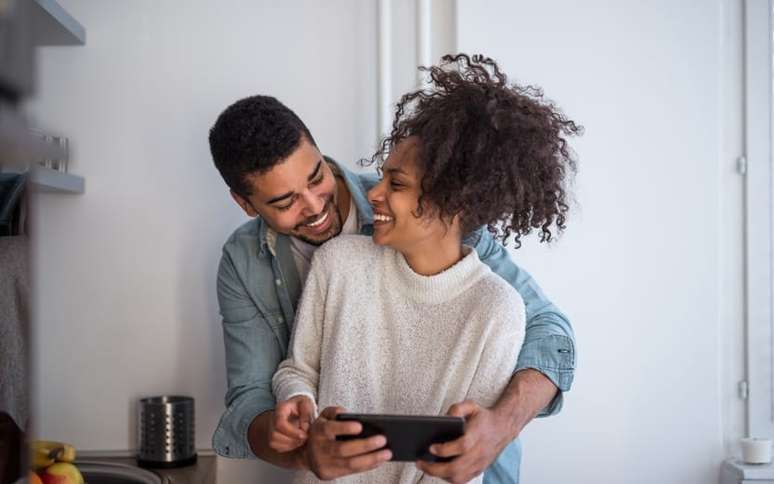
(319,221)
(382,218)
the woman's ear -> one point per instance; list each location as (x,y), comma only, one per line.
(244,203)
(453,224)
(456,221)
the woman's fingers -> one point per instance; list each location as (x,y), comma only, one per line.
(357,447)
(282,440)
(284,415)
(331,412)
(330,458)
(305,413)
(290,430)
(366,462)
(283,443)
(332,429)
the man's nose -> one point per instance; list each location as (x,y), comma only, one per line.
(314,203)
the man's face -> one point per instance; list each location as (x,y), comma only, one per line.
(297,197)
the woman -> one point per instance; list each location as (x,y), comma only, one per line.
(439,326)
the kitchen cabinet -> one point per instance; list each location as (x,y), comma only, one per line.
(25,25)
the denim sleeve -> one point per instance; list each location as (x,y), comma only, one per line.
(252,355)
(549,344)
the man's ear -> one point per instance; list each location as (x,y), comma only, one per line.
(244,203)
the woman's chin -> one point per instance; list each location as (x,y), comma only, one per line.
(379,240)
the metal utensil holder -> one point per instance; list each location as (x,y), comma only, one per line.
(166,432)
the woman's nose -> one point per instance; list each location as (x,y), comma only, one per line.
(376,194)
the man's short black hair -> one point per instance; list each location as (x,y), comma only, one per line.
(251,136)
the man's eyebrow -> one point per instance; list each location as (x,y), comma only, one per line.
(290,194)
(280,197)
(315,172)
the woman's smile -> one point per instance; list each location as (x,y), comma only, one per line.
(381,219)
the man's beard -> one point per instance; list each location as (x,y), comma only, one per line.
(333,230)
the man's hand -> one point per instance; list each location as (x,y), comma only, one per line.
(484,438)
(488,431)
(292,419)
(329,458)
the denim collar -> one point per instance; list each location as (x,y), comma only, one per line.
(267,236)
(365,213)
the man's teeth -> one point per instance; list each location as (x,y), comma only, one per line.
(382,218)
(319,221)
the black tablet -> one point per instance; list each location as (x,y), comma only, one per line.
(408,436)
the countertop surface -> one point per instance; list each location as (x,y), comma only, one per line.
(202,472)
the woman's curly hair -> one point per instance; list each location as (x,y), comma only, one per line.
(493,152)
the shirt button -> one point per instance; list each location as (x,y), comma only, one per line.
(278,282)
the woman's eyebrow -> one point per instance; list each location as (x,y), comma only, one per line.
(394,170)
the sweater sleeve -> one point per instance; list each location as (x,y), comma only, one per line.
(300,372)
(501,350)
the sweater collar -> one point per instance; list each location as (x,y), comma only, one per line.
(438,288)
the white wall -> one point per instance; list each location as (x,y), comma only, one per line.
(650,267)
(649,270)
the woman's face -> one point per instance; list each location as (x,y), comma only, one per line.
(395,200)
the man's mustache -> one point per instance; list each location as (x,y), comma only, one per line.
(328,203)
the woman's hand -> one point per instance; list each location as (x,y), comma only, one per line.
(473,452)
(329,458)
(291,422)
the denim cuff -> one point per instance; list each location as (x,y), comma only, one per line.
(230,437)
(553,356)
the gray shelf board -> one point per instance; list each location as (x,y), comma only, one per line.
(746,472)
(47,180)
(54,26)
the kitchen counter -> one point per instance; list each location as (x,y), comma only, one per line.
(203,472)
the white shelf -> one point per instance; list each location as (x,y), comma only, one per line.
(735,472)
(54,26)
(44,179)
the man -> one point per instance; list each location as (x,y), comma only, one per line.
(299,199)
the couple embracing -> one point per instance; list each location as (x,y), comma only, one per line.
(393,294)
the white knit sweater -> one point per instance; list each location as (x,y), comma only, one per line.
(373,336)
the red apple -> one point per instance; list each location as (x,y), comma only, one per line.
(61,473)
(52,479)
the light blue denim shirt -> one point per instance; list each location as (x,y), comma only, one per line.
(259,287)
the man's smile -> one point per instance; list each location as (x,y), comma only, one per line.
(321,223)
